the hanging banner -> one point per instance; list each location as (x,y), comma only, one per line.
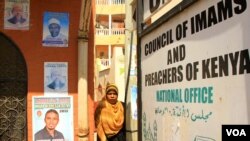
(195,71)
(16,14)
(55,29)
(55,78)
(52,118)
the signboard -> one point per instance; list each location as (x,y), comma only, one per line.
(196,72)
(152,6)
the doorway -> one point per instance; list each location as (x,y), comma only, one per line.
(13,92)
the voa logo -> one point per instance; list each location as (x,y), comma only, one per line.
(236,132)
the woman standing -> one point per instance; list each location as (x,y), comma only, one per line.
(110,116)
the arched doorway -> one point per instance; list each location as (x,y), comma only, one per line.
(13,92)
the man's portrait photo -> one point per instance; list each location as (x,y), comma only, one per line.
(16,15)
(58,82)
(49,131)
(55,29)
(52,118)
(55,78)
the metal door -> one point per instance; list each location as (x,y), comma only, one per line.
(13,92)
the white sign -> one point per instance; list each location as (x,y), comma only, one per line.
(196,72)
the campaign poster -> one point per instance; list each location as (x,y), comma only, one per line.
(55,29)
(16,14)
(55,78)
(44,109)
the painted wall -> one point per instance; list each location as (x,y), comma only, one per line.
(30,44)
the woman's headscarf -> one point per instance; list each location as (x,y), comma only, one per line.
(109,118)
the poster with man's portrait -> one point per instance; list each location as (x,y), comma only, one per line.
(54,115)
(55,29)
(16,14)
(55,78)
